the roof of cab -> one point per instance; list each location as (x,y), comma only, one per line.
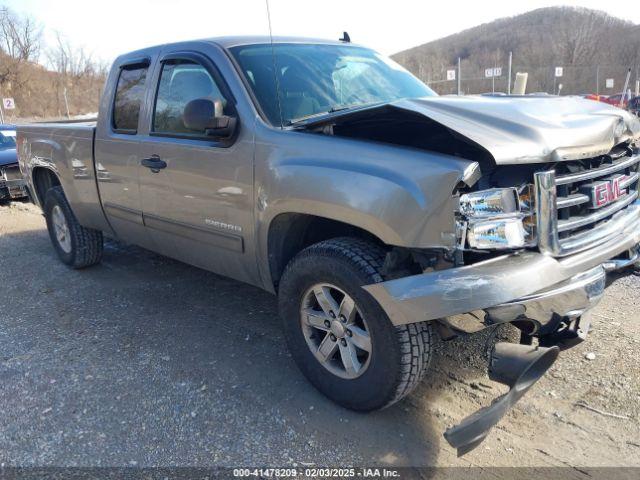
(230,42)
(235,41)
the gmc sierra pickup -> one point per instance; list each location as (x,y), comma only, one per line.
(380,213)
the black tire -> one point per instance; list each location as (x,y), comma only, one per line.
(86,243)
(399,356)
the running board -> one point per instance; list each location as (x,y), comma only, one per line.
(517,366)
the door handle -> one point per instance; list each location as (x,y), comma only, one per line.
(154,162)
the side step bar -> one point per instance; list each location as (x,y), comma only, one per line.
(517,366)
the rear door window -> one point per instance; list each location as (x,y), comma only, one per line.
(129,97)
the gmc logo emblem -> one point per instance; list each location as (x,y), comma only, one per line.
(603,193)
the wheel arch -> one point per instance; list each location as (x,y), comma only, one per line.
(402,198)
(43,178)
(289,233)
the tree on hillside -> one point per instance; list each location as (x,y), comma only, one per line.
(20,37)
(583,36)
(76,78)
(70,65)
(20,41)
(591,45)
(72,62)
(76,70)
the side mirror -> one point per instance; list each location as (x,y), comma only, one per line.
(207,116)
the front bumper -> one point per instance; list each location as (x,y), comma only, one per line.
(548,297)
(10,186)
(13,189)
(542,311)
(485,292)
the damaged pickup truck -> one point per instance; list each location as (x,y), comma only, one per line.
(380,213)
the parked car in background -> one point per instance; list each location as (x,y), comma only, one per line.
(593,96)
(615,100)
(634,106)
(12,184)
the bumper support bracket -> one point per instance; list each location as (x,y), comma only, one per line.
(517,366)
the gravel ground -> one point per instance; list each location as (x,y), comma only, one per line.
(146,361)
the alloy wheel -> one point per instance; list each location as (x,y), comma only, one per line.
(335,331)
(61,229)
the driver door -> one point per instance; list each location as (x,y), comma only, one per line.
(196,190)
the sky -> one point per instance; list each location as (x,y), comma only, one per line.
(107,28)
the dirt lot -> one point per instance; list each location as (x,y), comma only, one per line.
(146,361)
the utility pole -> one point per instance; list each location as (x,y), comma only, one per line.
(493,74)
(459,79)
(509,74)
(624,90)
(598,80)
(66,102)
(1,112)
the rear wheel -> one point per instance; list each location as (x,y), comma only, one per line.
(75,245)
(339,336)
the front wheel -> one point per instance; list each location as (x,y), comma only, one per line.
(75,245)
(339,336)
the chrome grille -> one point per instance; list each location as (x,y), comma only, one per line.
(570,217)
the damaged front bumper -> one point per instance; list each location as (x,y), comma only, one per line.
(548,298)
(13,189)
(12,185)
(497,285)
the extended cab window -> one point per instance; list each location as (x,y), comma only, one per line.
(181,82)
(129,95)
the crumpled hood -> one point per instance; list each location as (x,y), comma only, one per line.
(531,129)
(8,156)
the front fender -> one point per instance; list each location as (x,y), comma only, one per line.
(402,196)
(389,204)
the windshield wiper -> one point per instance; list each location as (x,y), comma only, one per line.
(334,109)
(344,107)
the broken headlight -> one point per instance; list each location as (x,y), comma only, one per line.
(498,218)
(488,203)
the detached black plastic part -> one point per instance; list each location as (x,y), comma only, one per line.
(519,367)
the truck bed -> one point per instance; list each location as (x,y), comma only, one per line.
(66,148)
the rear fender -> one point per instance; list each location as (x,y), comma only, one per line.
(71,161)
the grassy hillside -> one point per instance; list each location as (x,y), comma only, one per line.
(40,93)
(70,85)
(588,44)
